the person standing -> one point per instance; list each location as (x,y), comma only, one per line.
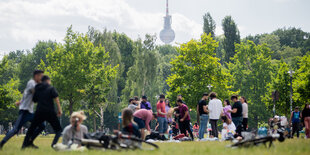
(295,121)
(133,105)
(226,109)
(26,110)
(143,118)
(306,117)
(236,114)
(44,95)
(161,116)
(245,112)
(184,119)
(202,109)
(215,110)
(145,104)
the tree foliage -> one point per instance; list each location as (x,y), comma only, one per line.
(209,24)
(195,68)
(232,36)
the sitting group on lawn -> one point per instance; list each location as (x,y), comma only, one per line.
(137,117)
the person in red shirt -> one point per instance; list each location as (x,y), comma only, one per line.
(184,118)
(161,115)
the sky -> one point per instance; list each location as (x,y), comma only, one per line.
(24,22)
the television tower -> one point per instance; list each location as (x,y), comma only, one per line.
(167,35)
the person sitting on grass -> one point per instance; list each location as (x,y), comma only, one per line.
(129,127)
(74,132)
(229,128)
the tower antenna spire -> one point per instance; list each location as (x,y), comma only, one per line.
(167,8)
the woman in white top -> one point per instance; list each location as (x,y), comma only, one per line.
(244,113)
(229,128)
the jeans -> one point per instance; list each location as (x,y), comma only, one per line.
(39,118)
(213,123)
(203,125)
(163,126)
(238,123)
(23,117)
(295,129)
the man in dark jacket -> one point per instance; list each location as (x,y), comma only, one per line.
(45,95)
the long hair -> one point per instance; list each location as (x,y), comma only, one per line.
(306,106)
(227,101)
(245,101)
(127,116)
(168,103)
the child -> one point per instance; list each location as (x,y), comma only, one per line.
(128,126)
(229,128)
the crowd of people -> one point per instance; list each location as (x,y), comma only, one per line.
(137,117)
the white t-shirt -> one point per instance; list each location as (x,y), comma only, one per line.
(26,103)
(230,127)
(215,108)
(245,110)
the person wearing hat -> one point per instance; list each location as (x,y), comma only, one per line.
(74,132)
(132,105)
(295,120)
(145,104)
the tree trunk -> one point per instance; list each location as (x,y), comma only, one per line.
(70,106)
(94,123)
(101,118)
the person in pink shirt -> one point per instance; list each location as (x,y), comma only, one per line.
(143,118)
(161,115)
(226,109)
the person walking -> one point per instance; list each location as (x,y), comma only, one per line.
(202,109)
(25,113)
(295,121)
(215,110)
(184,119)
(236,114)
(245,112)
(161,116)
(306,117)
(226,109)
(45,95)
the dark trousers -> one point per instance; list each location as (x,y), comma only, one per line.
(295,129)
(213,123)
(185,125)
(39,118)
(23,117)
(244,124)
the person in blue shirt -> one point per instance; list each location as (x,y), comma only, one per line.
(295,120)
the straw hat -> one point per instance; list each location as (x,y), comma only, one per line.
(79,114)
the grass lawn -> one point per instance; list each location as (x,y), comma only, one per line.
(290,146)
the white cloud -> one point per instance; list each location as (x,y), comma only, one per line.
(25,22)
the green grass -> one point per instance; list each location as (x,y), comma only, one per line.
(290,146)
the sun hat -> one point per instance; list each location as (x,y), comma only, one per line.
(79,114)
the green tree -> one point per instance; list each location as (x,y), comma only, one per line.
(142,76)
(302,80)
(77,68)
(280,83)
(252,71)
(195,68)
(209,24)
(273,42)
(232,36)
